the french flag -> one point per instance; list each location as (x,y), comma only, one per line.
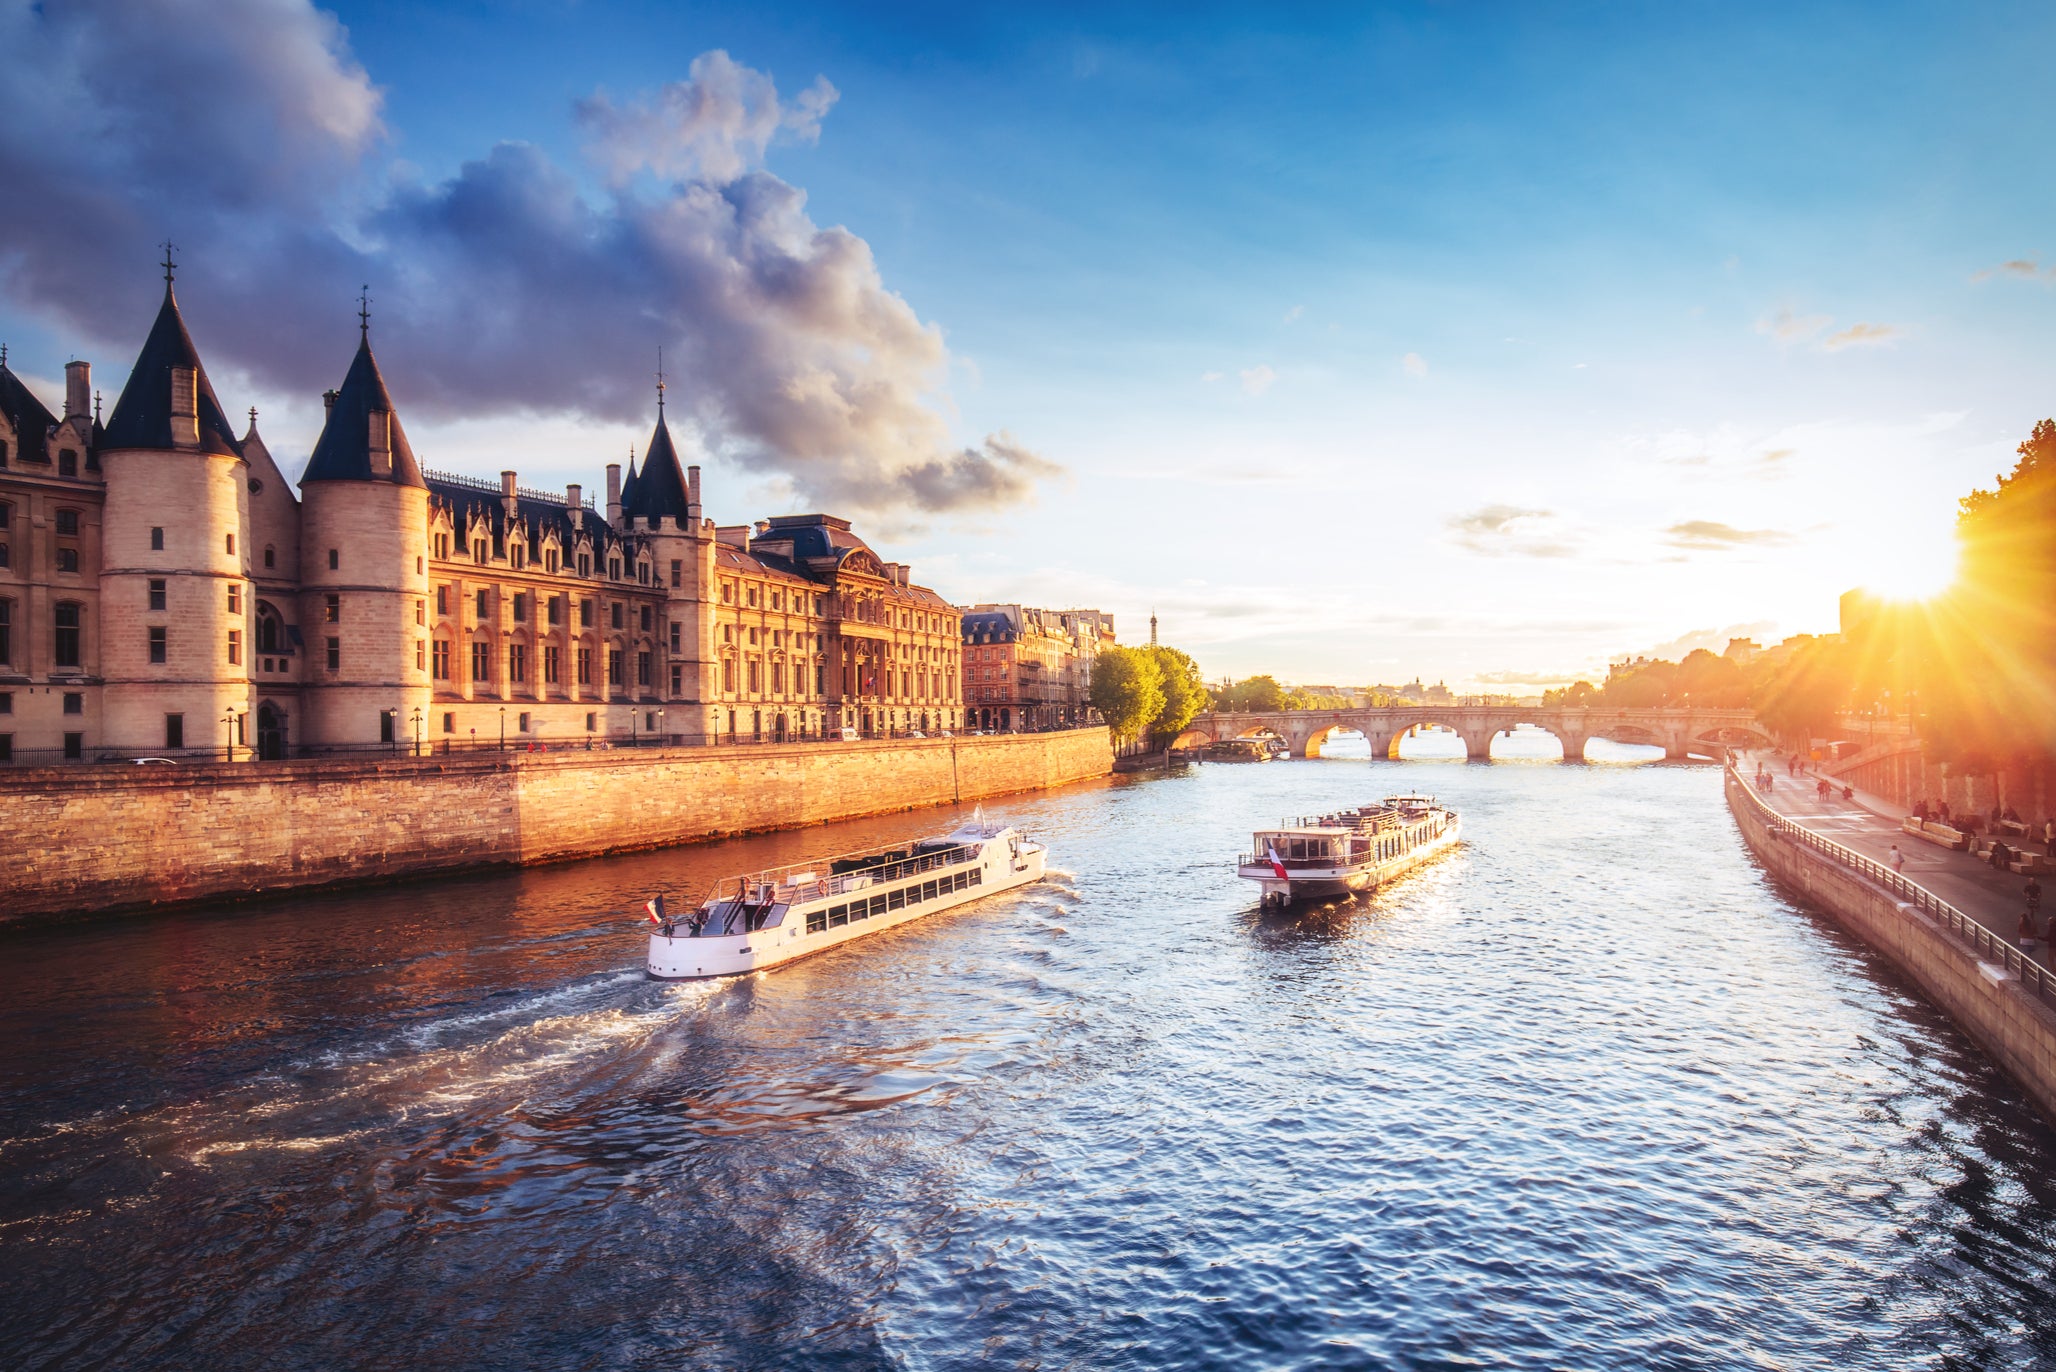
(655,910)
(1277,863)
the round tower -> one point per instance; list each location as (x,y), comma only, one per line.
(174,580)
(364,572)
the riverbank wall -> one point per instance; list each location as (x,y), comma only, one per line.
(95,838)
(1997,997)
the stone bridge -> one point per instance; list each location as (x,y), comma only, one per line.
(1681,733)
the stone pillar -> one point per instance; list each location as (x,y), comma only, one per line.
(1573,742)
(1478,743)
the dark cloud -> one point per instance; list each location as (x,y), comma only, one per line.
(244,129)
(1707,533)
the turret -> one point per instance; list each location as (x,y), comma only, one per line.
(363,569)
(174,576)
(664,508)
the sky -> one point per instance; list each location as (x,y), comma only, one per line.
(1474,342)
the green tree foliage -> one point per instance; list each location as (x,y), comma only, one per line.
(1806,697)
(1577,695)
(1185,693)
(1254,693)
(1984,659)
(1127,690)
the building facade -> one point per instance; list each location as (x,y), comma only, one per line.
(1030,669)
(164,591)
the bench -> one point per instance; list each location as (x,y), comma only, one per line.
(1935,832)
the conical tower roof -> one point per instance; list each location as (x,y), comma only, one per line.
(660,490)
(628,485)
(343,452)
(30,417)
(142,417)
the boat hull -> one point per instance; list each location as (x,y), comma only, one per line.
(1303,884)
(681,957)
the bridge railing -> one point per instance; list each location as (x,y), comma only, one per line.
(2036,978)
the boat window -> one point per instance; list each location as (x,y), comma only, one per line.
(817,921)
(897,899)
(977,876)
(838,915)
(928,890)
(878,905)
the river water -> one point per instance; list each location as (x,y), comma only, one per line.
(1588,1093)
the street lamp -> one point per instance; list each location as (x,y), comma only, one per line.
(228,746)
(417,731)
(662,737)
(503,728)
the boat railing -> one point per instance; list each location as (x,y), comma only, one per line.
(801,881)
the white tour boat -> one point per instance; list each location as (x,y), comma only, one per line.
(771,917)
(1349,851)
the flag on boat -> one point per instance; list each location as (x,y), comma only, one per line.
(655,910)
(1277,863)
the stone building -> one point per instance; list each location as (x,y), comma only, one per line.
(164,591)
(1026,668)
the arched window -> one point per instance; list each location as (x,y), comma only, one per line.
(271,629)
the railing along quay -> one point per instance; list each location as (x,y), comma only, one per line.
(2032,974)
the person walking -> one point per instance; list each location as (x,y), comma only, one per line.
(1898,859)
(2027,931)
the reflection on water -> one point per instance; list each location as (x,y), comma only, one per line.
(1586,1093)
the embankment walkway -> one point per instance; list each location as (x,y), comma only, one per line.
(1869,824)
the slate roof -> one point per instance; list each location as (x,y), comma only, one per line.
(142,417)
(988,626)
(628,486)
(343,452)
(818,535)
(32,420)
(472,509)
(660,492)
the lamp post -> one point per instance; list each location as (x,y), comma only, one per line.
(503,728)
(417,731)
(662,737)
(228,743)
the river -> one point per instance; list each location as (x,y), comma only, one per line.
(1588,1093)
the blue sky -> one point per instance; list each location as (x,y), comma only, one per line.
(1471,341)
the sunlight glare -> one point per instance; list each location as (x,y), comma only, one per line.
(1913,566)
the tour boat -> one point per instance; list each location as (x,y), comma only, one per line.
(770,917)
(1349,851)
(1238,750)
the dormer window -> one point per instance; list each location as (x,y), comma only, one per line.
(613,569)
(585,564)
(67,462)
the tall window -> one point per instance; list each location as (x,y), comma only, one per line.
(235,647)
(6,632)
(156,594)
(174,731)
(642,669)
(777,677)
(677,572)
(481,661)
(67,523)
(645,619)
(335,655)
(442,600)
(484,607)
(556,608)
(420,654)
(270,556)
(441,659)
(585,614)
(156,540)
(755,675)
(67,462)
(158,650)
(521,607)
(69,620)
(421,612)
(676,633)
(614,676)
(614,612)
(585,666)
(517,662)
(335,559)
(727,673)
(332,609)
(551,655)
(270,630)
(235,598)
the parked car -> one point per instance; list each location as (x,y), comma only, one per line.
(847,734)
(145,761)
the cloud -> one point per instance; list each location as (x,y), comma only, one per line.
(1712,640)
(247,131)
(1786,327)
(1211,377)
(1292,315)
(2025,267)
(1510,531)
(713,126)
(1256,380)
(1413,364)
(1707,533)
(1862,335)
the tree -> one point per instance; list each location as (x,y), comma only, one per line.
(1184,693)
(1127,690)
(1805,699)
(1577,695)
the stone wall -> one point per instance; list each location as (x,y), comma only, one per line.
(1986,1001)
(87,838)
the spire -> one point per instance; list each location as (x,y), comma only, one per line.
(168,402)
(628,484)
(660,385)
(168,264)
(660,491)
(362,439)
(364,314)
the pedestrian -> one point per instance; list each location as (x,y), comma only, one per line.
(2027,931)
(2033,893)
(1898,859)
(1849,793)
(1999,856)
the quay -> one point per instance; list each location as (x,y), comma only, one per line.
(118,837)
(1946,920)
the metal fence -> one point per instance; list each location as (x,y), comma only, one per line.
(2005,951)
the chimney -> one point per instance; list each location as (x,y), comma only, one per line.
(574,496)
(507,497)
(692,496)
(78,388)
(613,492)
(379,438)
(185,414)
(328,402)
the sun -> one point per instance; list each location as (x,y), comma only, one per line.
(1917,567)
